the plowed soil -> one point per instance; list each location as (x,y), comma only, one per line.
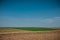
(13,34)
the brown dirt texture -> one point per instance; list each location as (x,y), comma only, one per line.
(13,34)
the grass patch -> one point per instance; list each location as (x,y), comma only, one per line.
(35,28)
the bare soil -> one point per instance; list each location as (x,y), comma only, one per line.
(13,34)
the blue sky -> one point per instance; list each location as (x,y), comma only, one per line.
(36,13)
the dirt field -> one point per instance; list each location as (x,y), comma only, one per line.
(13,34)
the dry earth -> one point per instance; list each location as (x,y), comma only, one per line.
(13,34)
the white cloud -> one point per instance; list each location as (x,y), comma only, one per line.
(57,17)
(47,22)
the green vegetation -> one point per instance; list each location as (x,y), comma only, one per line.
(28,28)
(35,28)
